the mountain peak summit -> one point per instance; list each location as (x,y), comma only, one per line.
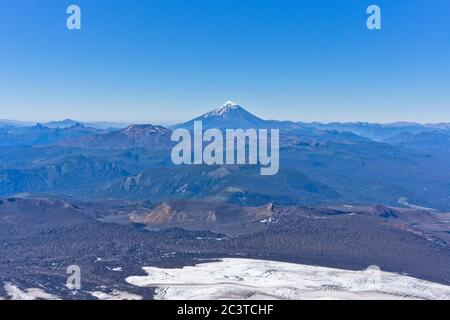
(225,109)
(229,104)
(228,115)
(144,129)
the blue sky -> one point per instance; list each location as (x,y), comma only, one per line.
(170,60)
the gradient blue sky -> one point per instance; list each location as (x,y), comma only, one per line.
(170,60)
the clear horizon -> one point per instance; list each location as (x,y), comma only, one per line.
(169,123)
(168,61)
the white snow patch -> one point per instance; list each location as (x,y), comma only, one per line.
(234,190)
(269,221)
(115,295)
(208,238)
(229,104)
(404,201)
(115,269)
(236,278)
(223,110)
(28,294)
(219,173)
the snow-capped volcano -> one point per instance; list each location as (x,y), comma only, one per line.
(224,110)
(229,115)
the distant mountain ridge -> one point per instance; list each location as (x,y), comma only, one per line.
(134,136)
(233,116)
(42,135)
(15,123)
(378,131)
(63,124)
(66,123)
(361,162)
(438,140)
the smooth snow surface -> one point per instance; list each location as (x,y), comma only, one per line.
(233,278)
(115,295)
(15,293)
